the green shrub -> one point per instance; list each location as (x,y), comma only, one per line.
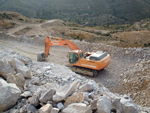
(76,37)
(74,29)
(21,19)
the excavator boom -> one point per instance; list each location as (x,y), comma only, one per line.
(58,42)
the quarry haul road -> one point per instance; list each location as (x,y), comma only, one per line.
(109,77)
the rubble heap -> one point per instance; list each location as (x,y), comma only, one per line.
(30,86)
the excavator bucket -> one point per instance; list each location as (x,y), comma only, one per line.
(41,56)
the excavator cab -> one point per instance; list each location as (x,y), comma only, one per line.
(74,56)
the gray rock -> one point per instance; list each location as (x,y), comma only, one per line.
(26,94)
(77,108)
(127,52)
(17,79)
(65,92)
(35,98)
(88,86)
(3,82)
(35,80)
(9,94)
(5,68)
(20,68)
(46,109)
(60,106)
(31,108)
(128,106)
(104,105)
(54,110)
(91,95)
(93,104)
(117,104)
(14,111)
(47,96)
(76,98)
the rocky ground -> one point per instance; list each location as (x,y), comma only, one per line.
(42,87)
(128,73)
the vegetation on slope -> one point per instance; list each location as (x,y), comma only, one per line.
(85,12)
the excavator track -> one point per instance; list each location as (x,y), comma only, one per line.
(84,71)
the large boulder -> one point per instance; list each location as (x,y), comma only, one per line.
(65,92)
(104,105)
(20,68)
(77,98)
(128,106)
(9,94)
(18,79)
(77,108)
(5,68)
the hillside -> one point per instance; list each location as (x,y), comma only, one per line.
(85,12)
(125,35)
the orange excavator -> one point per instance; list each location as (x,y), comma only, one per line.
(88,63)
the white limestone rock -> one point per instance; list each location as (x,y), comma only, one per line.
(90,86)
(35,80)
(5,68)
(21,68)
(54,110)
(60,106)
(104,105)
(65,92)
(47,95)
(26,94)
(77,98)
(35,98)
(9,94)
(77,108)
(17,79)
(46,109)
(128,106)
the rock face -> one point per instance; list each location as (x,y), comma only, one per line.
(65,92)
(9,94)
(77,108)
(104,105)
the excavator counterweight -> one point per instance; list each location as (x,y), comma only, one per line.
(88,63)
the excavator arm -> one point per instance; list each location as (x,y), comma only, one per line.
(57,42)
